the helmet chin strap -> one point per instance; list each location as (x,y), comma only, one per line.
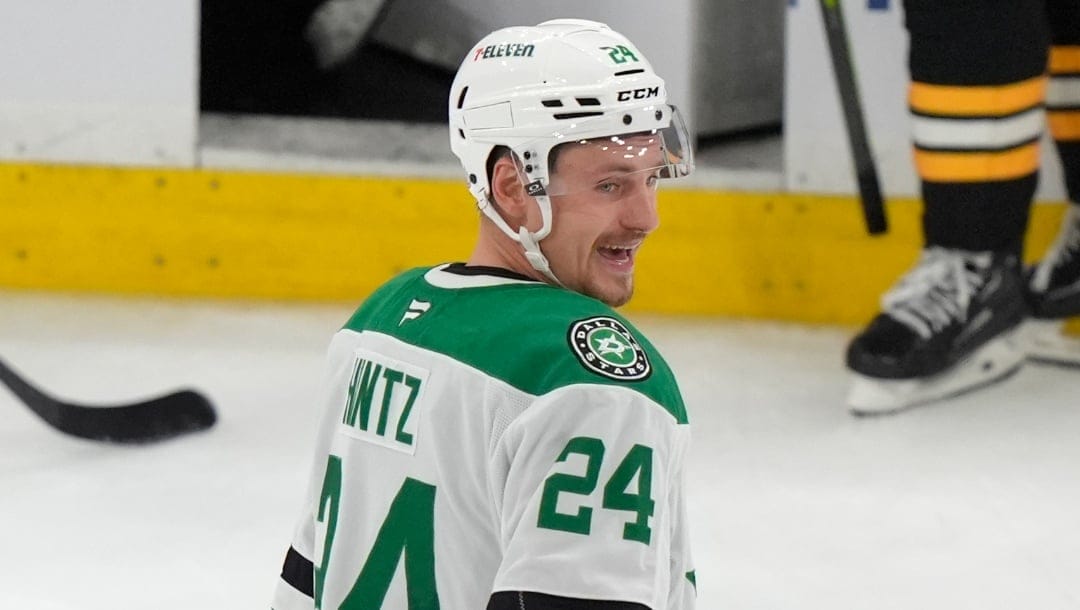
(536,258)
(530,242)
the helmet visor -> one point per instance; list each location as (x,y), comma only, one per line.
(599,162)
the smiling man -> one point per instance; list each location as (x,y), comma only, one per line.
(496,435)
(604,192)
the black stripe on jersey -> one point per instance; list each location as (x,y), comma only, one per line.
(972,117)
(528,600)
(979,149)
(299,572)
(463,269)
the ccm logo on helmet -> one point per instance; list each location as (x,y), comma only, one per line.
(638,94)
(512,49)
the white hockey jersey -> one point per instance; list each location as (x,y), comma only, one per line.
(482,433)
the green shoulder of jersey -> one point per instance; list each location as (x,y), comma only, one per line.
(530,335)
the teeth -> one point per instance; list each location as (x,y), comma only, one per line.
(617,252)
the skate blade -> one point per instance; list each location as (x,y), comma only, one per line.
(993,362)
(1045,343)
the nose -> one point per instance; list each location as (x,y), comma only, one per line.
(639,210)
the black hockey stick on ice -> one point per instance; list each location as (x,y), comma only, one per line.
(140,422)
(869,190)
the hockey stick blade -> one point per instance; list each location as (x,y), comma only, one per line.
(148,421)
(873,203)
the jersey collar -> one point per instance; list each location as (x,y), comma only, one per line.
(460,275)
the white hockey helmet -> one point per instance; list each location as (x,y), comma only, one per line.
(533,88)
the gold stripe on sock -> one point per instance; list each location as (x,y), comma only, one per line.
(1065,60)
(996,100)
(1064,124)
(938,166)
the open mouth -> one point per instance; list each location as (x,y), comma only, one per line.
(621,256)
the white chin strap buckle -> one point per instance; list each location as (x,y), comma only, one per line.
(535,257)
(538,261)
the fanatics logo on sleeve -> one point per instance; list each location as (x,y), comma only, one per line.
(605,346)
(416,309)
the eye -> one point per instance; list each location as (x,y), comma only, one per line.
(607,187)
(652,181)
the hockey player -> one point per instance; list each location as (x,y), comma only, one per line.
(495,434)
(979,85)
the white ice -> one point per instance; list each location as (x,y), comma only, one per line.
(796,505)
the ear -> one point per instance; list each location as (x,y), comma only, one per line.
(508,193)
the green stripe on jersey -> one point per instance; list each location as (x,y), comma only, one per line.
(520,333)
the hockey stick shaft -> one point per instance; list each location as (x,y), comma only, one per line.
(873,204)
(146,421)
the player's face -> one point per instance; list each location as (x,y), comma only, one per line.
(607,209)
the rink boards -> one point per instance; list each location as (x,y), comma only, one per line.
(290,236)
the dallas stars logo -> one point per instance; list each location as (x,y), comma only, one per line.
(606,347)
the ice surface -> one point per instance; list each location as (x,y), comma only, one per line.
(796,505)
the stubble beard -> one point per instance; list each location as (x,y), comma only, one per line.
(612,297)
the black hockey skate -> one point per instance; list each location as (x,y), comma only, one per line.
(1053,291)
(949,325)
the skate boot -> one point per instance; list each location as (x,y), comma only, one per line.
(1054,294)
(949,325)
